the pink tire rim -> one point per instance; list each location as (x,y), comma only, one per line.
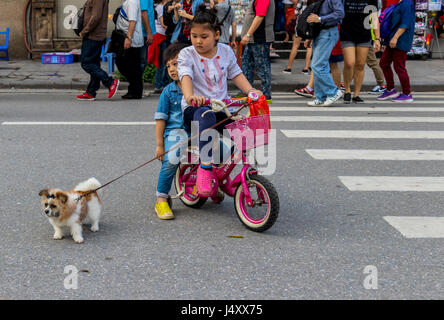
(244,207)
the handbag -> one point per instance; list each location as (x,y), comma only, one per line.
(117,42)
(118,36)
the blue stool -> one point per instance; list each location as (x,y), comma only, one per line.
(110,57)
(5,47)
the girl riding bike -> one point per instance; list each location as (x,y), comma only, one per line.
(204,69)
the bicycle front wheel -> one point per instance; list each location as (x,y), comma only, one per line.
(265,210)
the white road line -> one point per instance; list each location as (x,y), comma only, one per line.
(368,102)
(418,227)
(355,119)
(363,109)
(363,134)
(389,183)
(77,123)
(365,95)
(403,155)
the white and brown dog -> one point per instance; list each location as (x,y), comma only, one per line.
(70,209)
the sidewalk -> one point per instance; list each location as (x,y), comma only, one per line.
(26,74)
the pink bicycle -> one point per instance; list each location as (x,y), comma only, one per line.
(255,199)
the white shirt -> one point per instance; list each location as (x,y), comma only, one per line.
(159,10)
(133,13)
(210,76)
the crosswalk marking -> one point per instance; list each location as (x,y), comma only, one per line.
(355,119)
(76,123)
(389,183)
(396,155)
(365,95)
(339,103)
(363,109)
(363,134)
(418,227)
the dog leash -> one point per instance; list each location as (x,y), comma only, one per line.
(171,149)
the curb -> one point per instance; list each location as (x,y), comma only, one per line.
(278,87)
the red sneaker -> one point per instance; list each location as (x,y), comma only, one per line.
(305,92)
(113,88)
(86,97)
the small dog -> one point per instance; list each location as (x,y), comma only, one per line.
(65,209)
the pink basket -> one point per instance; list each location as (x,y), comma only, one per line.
(250,132)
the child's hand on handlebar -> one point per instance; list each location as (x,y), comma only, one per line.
(195,101)
(258,92)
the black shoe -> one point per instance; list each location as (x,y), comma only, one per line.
(130,96)
(306,71)
(347,98)
(357,100)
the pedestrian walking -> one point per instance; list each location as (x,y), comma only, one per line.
(330,16)
(257,35)
(300,7)
(93,37)
(157,49)
(225,15)
(356,40)
(397,45)
(129,61)
(148,30)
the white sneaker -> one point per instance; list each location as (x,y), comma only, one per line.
(333,99)
(316,103)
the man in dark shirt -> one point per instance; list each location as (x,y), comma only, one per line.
(93,36)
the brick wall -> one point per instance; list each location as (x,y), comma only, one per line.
(11,15)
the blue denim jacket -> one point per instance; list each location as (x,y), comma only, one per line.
(403,16)
(169,108)
(194,6)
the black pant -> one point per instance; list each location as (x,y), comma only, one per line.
(129,65)
(90,62)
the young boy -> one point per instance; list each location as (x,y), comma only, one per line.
(169,123)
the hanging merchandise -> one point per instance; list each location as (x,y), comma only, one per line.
(435,5)
(420,43)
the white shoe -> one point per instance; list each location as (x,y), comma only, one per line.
(333,99)
(316,103)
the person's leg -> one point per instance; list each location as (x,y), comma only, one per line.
(90,62)
(169,165)
(144,55)
(248,63)
(335,73)
(311,81)
(373,64)
(361,58)
(349,66)
(308,58)
(135,87)
(385,64)
(399,60)
(322,46)
(294,51)
(263,67)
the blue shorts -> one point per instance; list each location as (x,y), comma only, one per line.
(336,58)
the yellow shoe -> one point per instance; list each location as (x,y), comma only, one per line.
(163,211)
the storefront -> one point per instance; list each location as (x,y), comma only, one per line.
(49,25)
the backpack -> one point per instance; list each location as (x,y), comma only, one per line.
(77,21)
(307,30)
(385,21)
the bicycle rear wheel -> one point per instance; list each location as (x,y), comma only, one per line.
(265,210)
(185,178)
